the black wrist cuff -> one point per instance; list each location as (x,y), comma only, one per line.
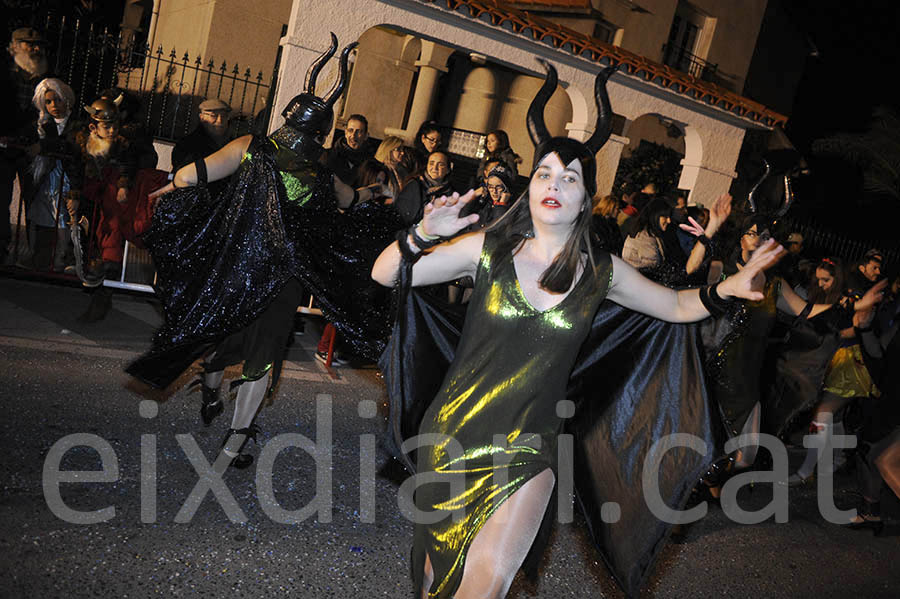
(704,240)
(403,242)
(423,244)
(712,301)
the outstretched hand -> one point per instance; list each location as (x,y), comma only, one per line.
(874,295)
(750,278)
(442,215)
(719,212)
(692,227)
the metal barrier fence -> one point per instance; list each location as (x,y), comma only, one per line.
(166,86)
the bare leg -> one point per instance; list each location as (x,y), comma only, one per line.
(825,412)
(503,542)
(428,578)
(888,464)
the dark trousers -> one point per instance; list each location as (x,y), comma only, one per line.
(10,166)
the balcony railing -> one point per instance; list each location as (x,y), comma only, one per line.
(686,62)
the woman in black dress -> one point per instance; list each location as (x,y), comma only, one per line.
(537,287)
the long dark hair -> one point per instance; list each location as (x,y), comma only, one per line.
(648,219)
(516,226)
(502,140)
(816,294)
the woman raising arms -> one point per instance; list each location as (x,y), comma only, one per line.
(537,288)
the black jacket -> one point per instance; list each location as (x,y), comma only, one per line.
(193,146)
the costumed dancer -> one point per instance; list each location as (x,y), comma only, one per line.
(538,287)
(879,443)
(847,379)
(739,343)
(805,350)
(231,267)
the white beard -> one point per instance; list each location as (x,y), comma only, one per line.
(34,65)
(97,146)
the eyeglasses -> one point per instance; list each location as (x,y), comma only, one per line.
(497,188)
(434,140)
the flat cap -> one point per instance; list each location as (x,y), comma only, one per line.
(214,104)
(27,34)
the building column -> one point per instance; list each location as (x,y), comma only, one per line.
(432,62)
(608,163)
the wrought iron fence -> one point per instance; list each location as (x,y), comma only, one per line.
(820,241)
(166,86)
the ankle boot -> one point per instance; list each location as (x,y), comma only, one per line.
(241,460)
(212,405)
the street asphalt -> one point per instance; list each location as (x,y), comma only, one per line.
(59,377)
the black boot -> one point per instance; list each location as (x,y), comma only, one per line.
(212,404)
(241,460)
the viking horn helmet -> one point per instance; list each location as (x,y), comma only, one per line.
(103,110)
(567,148)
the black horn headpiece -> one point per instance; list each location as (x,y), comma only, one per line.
(567,148)
(307,117)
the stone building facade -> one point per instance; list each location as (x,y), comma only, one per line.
(471,65)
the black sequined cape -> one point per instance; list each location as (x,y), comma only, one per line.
(222,259)
(636,380)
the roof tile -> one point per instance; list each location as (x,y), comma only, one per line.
(526,24)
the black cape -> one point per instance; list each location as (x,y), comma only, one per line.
(222,259)
(636,380)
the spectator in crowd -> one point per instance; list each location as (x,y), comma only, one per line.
(866,272)
(372,174)
(498,150)
(351,150)
(648,250)
(411,165)
(685,240)
(433,183)
(429,139)
(605,228)
(499,186)
(644,248)
(210,135)
(629,191)
(25,68)
(114,194)
(52,206)
(131,127)
(390,153)
(679,209)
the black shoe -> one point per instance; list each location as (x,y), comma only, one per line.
(867,517)
(212,405)
(241,460)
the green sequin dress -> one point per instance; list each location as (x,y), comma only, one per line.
(496,415)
